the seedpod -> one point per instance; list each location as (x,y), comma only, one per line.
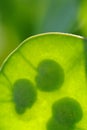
(63,55)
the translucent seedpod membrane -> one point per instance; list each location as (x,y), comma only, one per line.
(43,84)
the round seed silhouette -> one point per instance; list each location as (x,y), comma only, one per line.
(20,109)
(24,95)
(67,111)
(50,75)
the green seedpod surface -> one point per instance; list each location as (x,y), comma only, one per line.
(42,71)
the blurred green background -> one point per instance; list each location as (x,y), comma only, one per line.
(20,19)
